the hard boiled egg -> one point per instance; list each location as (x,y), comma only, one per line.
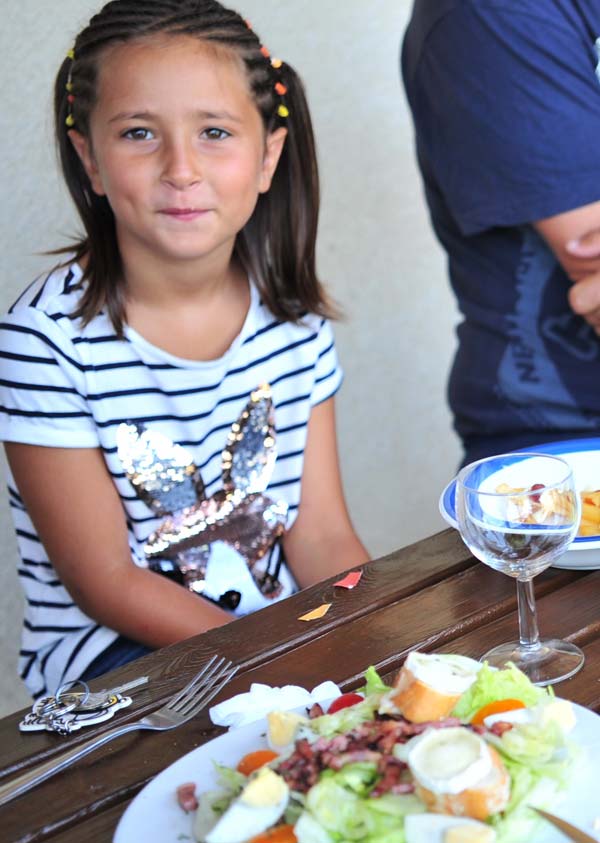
(548,711)
(282,728)
(257,808)
(436,828)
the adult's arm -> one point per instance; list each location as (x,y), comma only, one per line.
(572,237)
(78,514)
(322,540)
(507,105)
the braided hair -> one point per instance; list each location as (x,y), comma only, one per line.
(276,247)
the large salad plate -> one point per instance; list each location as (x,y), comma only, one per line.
(583,455)
(155,817)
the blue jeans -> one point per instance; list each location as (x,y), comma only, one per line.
(121,651)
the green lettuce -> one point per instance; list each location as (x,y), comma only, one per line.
(374,684)
(341,806)
(346,719)
(492,685)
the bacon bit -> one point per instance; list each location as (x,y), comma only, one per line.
(186,796)
(500,727)
(316,710)
(372,741)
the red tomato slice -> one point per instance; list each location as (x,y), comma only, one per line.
(496,707)
(345,701)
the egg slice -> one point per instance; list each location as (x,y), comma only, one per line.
(552,710)
(456,772)
(257,808)
(282,728)
(435,828)
(429,686)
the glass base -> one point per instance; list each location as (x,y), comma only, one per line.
(546,663)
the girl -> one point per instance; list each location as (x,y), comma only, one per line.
(148,381)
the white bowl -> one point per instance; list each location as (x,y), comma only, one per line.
(583,455)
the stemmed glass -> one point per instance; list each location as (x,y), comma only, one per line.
(518,513)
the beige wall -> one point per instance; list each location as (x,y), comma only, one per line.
(375,249)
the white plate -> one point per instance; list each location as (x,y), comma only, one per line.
(583,455)
(155,817)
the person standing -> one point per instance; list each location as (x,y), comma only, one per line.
(505,98)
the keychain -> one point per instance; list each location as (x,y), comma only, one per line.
(69,709)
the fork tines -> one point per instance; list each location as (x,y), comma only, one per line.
(215,674)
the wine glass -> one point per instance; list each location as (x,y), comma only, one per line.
(518,513)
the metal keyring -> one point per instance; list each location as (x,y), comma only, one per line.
(77,698)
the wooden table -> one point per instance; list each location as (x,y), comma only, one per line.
(432,595)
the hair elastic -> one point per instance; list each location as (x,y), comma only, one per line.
(70,120)
(280,89)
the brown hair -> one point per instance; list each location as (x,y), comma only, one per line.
(277,245)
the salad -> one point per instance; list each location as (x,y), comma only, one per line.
(453,752)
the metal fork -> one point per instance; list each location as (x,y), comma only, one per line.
(182,707)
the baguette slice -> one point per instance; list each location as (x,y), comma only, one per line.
(429,686)
(480,801)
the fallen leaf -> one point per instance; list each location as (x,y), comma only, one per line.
(349,581)
(316,613)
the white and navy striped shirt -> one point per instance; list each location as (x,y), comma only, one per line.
(65,385)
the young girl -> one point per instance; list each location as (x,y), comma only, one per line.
(167,392)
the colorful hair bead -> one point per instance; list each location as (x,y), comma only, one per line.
(281,89)
(283,111)
(70,120)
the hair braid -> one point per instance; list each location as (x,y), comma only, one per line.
(277,245)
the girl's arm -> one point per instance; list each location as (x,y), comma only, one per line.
(322,541)
(76,509)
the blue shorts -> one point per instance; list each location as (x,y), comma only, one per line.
(121,651)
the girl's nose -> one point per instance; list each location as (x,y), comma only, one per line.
(181,167)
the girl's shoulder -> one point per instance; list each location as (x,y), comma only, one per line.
(55,293)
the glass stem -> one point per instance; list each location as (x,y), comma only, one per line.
(529,636)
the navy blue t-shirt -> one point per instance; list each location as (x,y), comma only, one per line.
(505,96)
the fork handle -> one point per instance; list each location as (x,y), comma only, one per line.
(44,771)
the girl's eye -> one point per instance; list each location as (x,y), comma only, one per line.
(215,134)
(138,134)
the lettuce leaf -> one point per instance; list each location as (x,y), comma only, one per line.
(345,719)
(338,807)
(374,684)
(491,685)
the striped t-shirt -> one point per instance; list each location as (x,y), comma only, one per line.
(65,385)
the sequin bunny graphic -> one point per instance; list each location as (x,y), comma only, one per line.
(239,514)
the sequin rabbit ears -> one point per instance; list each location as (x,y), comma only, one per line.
(167,480)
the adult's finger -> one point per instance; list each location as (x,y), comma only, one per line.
(586,246)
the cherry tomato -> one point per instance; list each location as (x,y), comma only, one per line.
(279,834)
(345,701)
(251,762)
(496,707)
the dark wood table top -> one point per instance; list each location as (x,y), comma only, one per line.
(431,595)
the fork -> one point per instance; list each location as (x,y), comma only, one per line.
(188,702)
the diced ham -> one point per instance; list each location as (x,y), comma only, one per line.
(186,796)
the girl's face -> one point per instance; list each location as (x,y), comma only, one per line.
(178,148)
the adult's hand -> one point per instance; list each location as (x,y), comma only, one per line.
(584,296)
(574,237)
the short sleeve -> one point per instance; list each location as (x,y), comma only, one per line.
(328,374)
(507,106)
(42,384)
